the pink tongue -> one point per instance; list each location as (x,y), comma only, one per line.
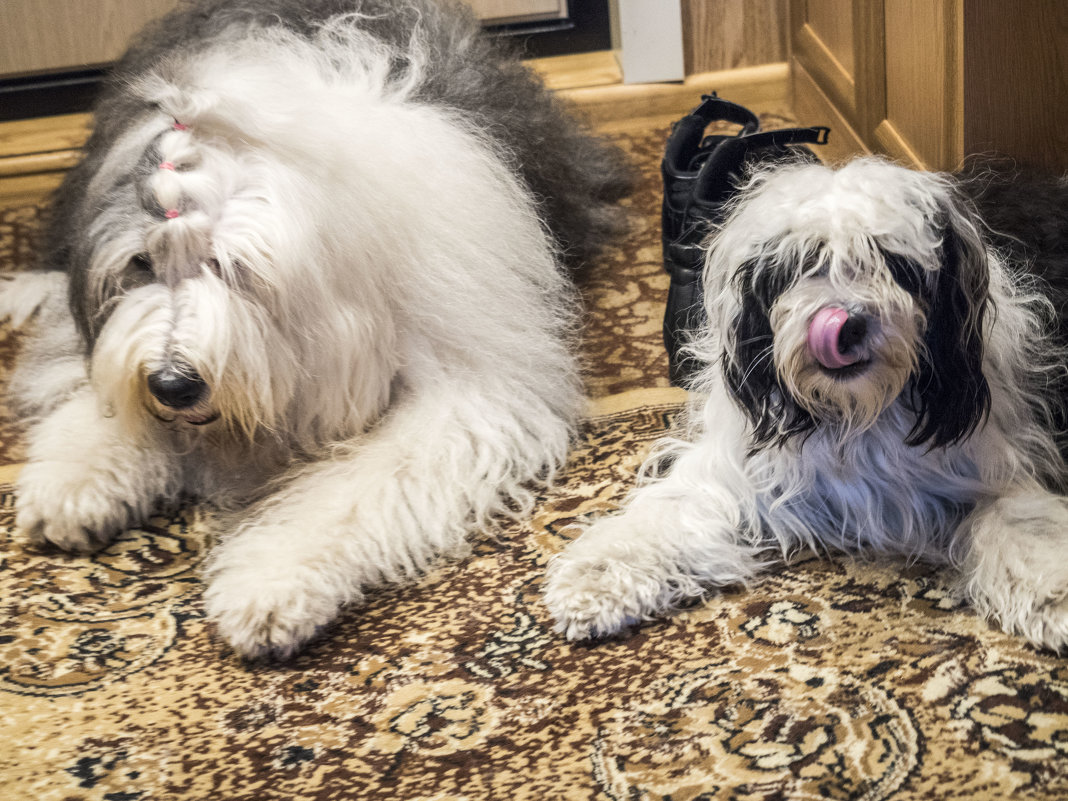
(823,335)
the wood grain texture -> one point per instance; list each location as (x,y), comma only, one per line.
(832,23)
(48,35)
(822,38)
(901,97)
(920,90)
(596,68)
(17,191)
(1015,81)
(817,57)
(44,135)
(727,34)
(811,106)
(34,154)
(502,11)
(869,24)
(621,108)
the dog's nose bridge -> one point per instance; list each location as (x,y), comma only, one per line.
(176,271)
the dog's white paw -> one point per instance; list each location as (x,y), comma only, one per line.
(1020,607)
(263,612)
(590,600)
(1015,572)
(68,506)
(593,595)
(1033,605)
(1047,625)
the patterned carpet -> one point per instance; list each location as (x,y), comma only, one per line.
(831,680)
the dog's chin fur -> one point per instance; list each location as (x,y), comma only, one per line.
(350,220)
(939,443)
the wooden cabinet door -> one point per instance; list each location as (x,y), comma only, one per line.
(922,108)
(884,74)
(832,69)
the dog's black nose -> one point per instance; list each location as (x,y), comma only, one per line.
(178,389)
(854,329)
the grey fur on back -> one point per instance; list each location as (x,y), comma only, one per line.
(575,178)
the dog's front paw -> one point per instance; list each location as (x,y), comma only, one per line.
(1046,626)
(1020,607)
(67,506)
(594,592)
(261,612)
(590,599)
(1015,571)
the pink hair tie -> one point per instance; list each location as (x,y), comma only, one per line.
(170,214)
(166,165)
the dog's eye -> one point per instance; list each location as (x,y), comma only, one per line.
(141,265)
(138,273)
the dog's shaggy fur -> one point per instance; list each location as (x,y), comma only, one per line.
(928,429)
(315,264)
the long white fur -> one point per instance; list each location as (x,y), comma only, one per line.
(385,330)
(723,512)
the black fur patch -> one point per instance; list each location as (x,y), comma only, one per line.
(949,394)
(749,369)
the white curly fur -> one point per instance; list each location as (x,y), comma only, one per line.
(361,279)
(729,504)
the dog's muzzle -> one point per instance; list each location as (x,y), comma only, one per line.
(836,337)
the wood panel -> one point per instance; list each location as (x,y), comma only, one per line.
(921,82)
(869,26)
(726,34)
(1015,93)
(823,59)
(623,107)
(595,68)
(34,154)
(937,80)
(832,23)
(48,35)
(812,106)
(38,36)
(505,11)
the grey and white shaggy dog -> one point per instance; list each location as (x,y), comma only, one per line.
(314,267)
(884,375)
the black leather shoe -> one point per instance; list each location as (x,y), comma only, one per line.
(700,174)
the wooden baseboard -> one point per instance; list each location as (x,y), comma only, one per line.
(34,154)
(599,68)
(618,107)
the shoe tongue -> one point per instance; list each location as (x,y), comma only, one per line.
(824,333)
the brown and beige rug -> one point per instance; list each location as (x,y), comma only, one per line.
(835,680)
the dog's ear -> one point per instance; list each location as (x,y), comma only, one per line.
(749,361)
(950,394)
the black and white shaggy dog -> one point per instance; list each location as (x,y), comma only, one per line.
(311,267)
(880,379)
